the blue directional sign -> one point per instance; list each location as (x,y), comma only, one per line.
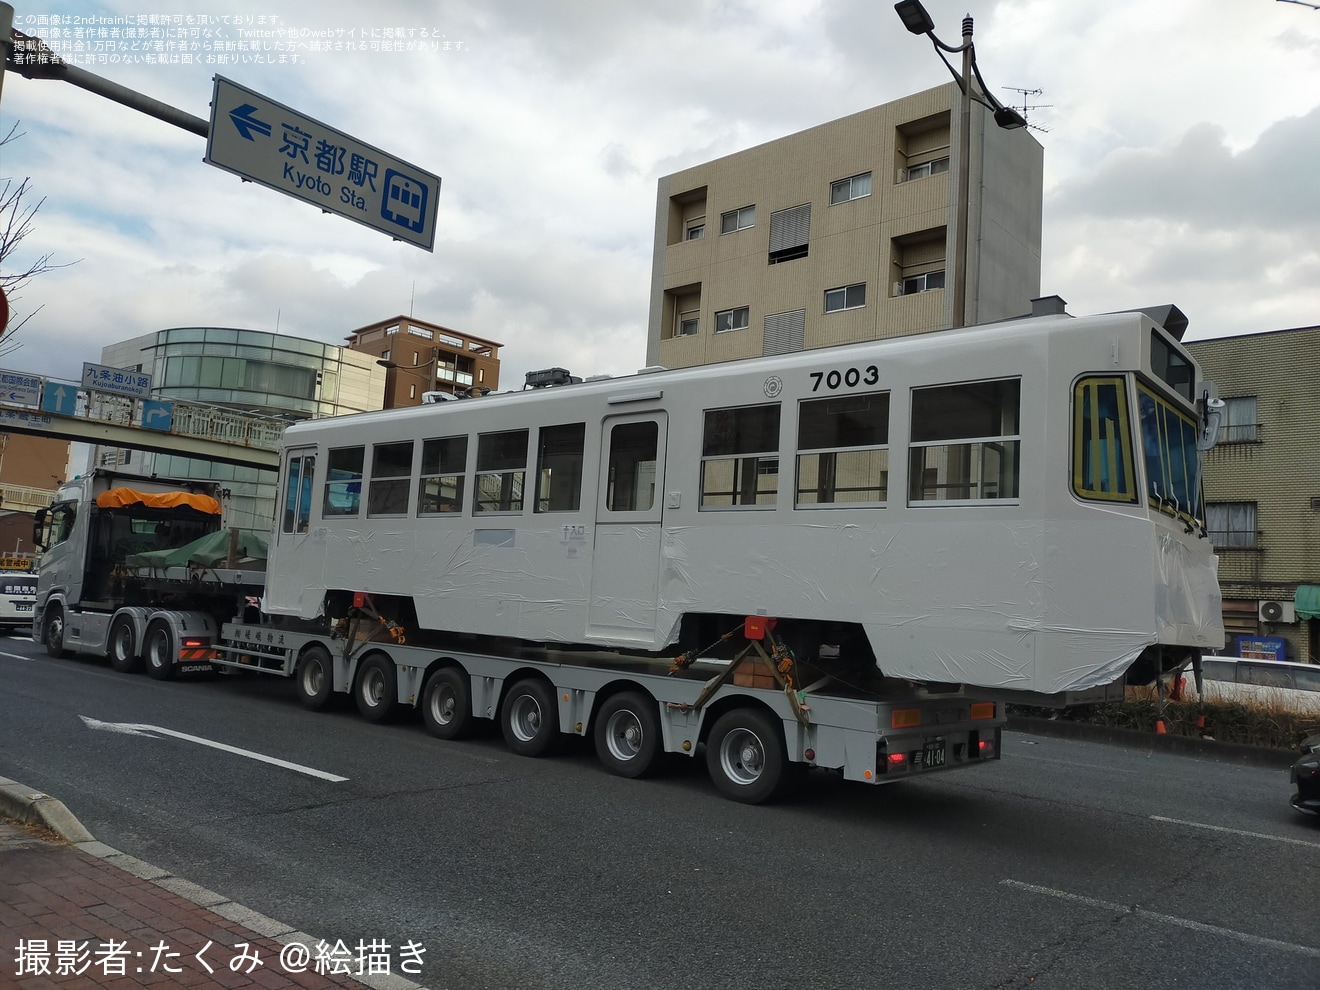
(157,415)
(59,398)
(118,381)
(263,141)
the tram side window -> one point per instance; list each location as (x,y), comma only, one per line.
(298,493)
(391,479)
(559,468)
(1168,438)
(1102,441)
(343,482)
(843,450)
(633,450)
(444,463)
(501,470)
(965,442)
(740,457)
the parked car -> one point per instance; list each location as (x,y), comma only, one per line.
(1292,686)
(1306,777)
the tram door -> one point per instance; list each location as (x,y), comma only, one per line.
(625,573)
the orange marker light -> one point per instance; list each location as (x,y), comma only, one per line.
(983,709)
(906,718)
(867,774)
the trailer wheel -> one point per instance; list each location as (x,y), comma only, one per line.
(530,720)
(160,651)
(123,646)
(627,734)
(447,704)
(52,631)
(377,691)
(315,677)
(745,755)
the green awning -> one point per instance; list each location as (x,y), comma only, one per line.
(1307,601)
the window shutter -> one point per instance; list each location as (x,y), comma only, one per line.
(790,228)
(784,332)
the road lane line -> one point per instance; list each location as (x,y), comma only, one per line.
(1168,919)
(151,731)
(1235,831)
(16,656)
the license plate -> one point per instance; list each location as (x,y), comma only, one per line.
(22,606)
(934,755)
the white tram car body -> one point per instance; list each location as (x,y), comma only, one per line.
(1013,506)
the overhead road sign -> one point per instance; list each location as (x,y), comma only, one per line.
(261,140)
(18,389)
(59,398)
(117,381)
(157,415)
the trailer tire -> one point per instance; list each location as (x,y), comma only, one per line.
(160,650)
(627,734)
(315,679)
(376,691)
(745,755)
(530,718)
(123,646)
(447,704)
(52,631)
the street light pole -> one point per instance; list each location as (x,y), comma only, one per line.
(918,21)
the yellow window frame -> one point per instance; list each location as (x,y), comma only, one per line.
(1086,398)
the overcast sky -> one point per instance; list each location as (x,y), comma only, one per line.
(1180,159)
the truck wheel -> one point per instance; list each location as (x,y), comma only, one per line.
(377,691)
(315,679)
(745,755)
(530,719)
(161,651)
(52,631)
(627,734)
(447,704)
(123,646)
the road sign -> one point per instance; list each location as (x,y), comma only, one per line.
(99,378)
(59,398)
(157,415)
(18,389)
(259,139)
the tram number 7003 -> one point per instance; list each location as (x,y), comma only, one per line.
(836,378)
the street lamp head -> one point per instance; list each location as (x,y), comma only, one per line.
(1009,119)
(914,16)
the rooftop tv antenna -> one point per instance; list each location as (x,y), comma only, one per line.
(1025,94)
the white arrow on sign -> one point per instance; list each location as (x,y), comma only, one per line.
(156,731)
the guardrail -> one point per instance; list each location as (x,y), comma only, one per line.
(24,498)
(188,419)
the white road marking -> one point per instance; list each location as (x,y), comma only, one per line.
(1168,919)
(154,731)
(1235,831)
(16,656)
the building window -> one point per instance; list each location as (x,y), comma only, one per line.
(965,442)
(687,325)
(933,167)
(790,230)
(913,284)
(343,482)
(740,457)
(731,319)
(1232,525)
(696,229)
(739,219)
(559,468)
(385,354)
(501,469)
(853,187)
(843,451)
(1238,424)
(444,462)
(846,297)
(784,332)
(391,477)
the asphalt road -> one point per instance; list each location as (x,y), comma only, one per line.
(1067,865)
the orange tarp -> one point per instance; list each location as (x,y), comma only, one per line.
(121,498)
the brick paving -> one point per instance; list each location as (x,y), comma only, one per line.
(75,907)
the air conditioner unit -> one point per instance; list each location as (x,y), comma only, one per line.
(1272,611)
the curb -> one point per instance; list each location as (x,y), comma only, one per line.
(1256,756)
(27,805)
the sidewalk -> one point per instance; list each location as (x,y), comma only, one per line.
(85,915)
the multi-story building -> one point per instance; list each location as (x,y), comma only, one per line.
(421,357)
(844,232)
(1262,487)
(253,370)
(31,468)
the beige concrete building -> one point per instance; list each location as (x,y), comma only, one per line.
(844,232)
(422,357)
(1262,485)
